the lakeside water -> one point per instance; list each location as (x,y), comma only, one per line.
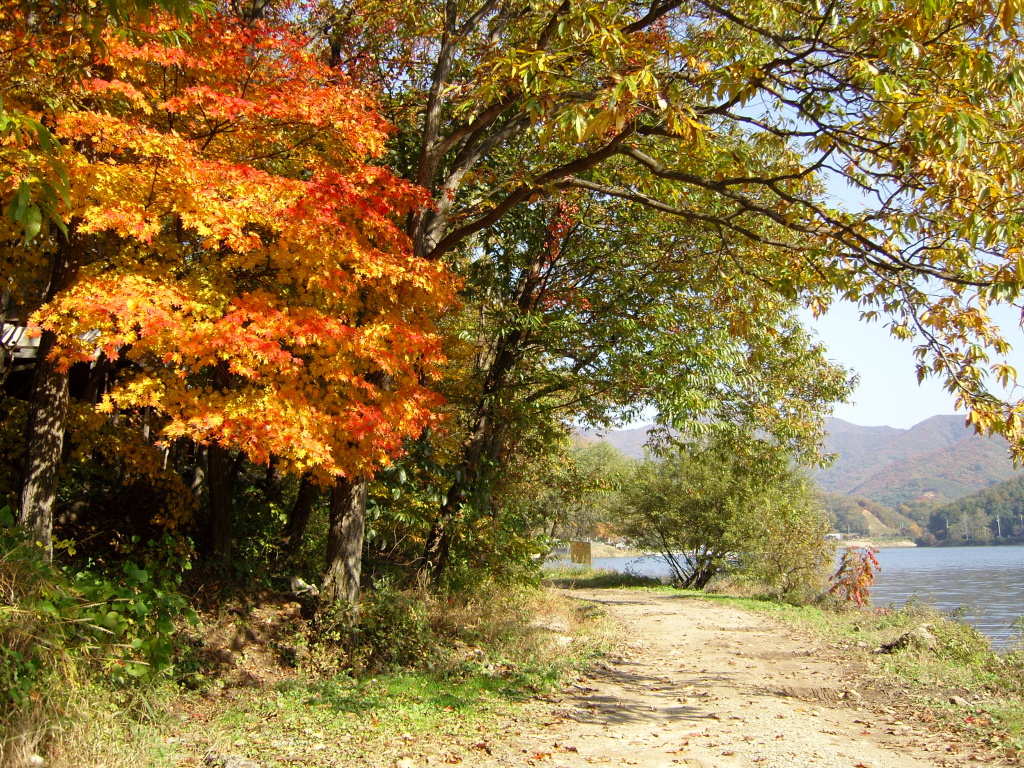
(987,583)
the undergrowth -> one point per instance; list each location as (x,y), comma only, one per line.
(426,675)
(105,670)
(79,650)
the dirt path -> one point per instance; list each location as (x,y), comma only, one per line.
(707,685)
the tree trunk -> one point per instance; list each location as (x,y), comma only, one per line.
(48,411)
(481,443)
(484,437)
(198,482)
(295,529)
(6,353)
(47,422)
(345,542)
(220,481)
(273,481)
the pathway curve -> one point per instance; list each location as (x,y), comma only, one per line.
(707,685)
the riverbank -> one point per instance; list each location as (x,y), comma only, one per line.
(878,543)
(607,550)
(943,670)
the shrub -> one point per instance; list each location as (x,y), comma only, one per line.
(855,575)
(59,630)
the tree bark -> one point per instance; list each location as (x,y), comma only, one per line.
(273,481)
(47,422)
(198,481)
(295,529)
(48,411)
(345,542)
(220,481)
(6,353)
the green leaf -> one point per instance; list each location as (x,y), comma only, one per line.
(32,222)
(21,201)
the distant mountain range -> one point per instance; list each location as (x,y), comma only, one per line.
(938,459)
(628,442)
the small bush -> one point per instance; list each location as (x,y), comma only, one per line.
(856,574)
(61,632)
(497,631)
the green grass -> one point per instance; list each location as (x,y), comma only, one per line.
(345,720)
(341,720)
(586,577)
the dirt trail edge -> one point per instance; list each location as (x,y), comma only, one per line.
(703,684)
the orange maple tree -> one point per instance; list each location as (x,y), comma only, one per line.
(238,252)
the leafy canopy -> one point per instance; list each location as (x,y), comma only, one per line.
(240,256)
(738,118)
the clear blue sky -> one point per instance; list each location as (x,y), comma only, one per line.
(888,392)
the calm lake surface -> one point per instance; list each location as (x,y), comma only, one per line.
(987,583)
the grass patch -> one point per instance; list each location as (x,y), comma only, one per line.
(586,577)
(348,721)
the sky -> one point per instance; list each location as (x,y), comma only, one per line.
(888,393)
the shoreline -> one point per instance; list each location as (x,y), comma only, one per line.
(888,544)
(607,551)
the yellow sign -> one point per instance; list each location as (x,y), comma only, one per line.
(579,552)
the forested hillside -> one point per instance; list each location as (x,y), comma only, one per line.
(631,443)
(939,458)
(996,512)
(885,477)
